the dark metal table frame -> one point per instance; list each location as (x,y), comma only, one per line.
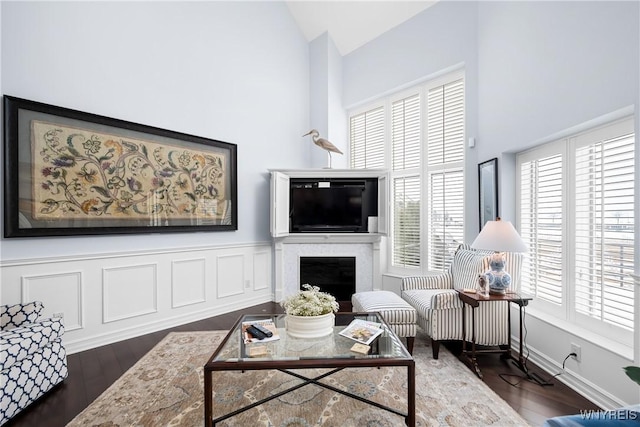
(474,300)
(285,366)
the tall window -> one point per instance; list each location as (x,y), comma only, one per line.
(541,224)
(576,213)
(405,147)
(420,134)
(366,136)
(444,171)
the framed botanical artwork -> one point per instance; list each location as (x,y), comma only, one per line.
(488,186)
(68,172)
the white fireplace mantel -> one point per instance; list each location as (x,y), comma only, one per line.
(290,246)
(288,250)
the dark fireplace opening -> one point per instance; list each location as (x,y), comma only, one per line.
(334,275)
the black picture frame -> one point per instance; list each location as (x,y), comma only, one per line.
(68,172)
(488,191)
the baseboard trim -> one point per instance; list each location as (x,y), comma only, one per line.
(577,383)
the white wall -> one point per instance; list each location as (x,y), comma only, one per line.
(440,39)
(232,71)
(548,66)
(545,67)
(327,114)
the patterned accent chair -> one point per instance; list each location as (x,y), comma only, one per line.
(439,308)
(32,357)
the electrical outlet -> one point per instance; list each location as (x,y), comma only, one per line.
(575,348)
(61,315)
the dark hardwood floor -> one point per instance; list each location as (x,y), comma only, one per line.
(93,371)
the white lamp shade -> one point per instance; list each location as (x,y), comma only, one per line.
(499,236)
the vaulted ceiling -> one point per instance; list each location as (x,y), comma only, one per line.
(352,24)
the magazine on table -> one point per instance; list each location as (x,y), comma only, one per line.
(267,324)
(362,331)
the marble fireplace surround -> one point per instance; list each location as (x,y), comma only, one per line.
(365,247)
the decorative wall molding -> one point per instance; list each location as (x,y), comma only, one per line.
(188,282)
(109,255)
(261,270)
(230,275)
(65,288)
(120,296)
(129,291)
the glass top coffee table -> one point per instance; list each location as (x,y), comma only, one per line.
(288,353)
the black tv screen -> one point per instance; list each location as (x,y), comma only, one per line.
(326,209)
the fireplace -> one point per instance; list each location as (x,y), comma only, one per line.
(332,274)
(364,247)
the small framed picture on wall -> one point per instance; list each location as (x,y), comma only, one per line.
(488,190)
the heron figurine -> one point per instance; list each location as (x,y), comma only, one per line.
(323,143)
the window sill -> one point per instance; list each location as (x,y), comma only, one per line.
(585,334)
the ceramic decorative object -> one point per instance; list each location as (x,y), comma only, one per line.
(310,326)
(310,313)
(499,280)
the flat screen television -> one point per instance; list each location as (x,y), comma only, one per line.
(331,209)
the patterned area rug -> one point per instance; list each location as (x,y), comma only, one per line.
(165,388)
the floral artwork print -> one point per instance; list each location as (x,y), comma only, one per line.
(83,174)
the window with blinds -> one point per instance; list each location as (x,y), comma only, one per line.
(604,241)
(446,217)
(445,163)
(541,227)
(405,147)
(366,136)
(406,221)
(445,124)
(419,135)
(577,214)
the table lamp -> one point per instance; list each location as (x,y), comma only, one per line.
(499,236)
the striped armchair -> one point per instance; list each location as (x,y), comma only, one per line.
(439,308)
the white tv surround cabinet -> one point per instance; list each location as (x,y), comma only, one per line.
(293,239)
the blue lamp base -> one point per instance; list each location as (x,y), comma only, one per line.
(498,279)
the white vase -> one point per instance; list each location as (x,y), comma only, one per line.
(310,326)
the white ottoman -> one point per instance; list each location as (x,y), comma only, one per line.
(399,314)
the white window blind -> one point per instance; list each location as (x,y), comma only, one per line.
(366,136)
(445,162)
(446,217)
(406,221)
(576,212)
(419,135)
(604,251)
(541,227)
(405,147)
(405,133)
(445,124)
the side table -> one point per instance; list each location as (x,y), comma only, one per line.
(474,300)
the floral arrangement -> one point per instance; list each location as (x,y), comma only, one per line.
(310,302)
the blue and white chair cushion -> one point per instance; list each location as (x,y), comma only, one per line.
(13,316)
(32,357)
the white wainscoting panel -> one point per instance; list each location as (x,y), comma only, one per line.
(129,291)
(61,293)
(229,281)
(188,280)
(261,270)
(109,297)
